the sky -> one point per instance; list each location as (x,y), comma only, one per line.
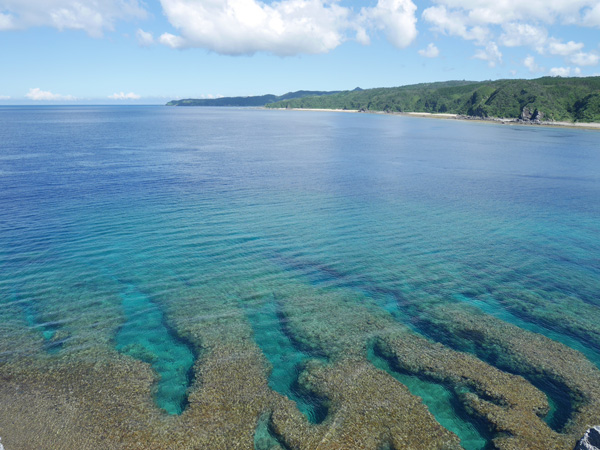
(152,51)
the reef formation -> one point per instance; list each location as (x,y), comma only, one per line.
(498,374)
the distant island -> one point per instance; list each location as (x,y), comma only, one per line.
(259,100)
(540,100)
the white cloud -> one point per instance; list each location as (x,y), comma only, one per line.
(92,16)
(523,34)
(486,12)
(39,95)
(4,97)
(124,96)
(592,17)
(565,72)
(491,54)
(556,47)
(170,40)
(530,63)
(237,27)
(6,22)
(286,27)
(584,59)
(144,38)
(430,52)
(454,23)
(515,23)
(396,18)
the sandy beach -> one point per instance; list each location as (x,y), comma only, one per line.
(580,125)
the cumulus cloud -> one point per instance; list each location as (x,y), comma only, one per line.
(491,54)
(287,27)
(4,97)
(556,47)
(237,27)
(92,16)
(6,22)
(592,16)
(430,52)
(38,95)
(455,23)
(144,38)
(124,96)
(396,18)
(485,12)
(170,40)
(565,72)
(523,34)
(530,63)
(515,23)
(584,59)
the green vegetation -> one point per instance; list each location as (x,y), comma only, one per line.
(548,98)
(260,100)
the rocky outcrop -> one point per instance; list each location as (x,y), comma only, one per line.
(590,440)
(527,115)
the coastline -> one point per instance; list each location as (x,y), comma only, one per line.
(444,116)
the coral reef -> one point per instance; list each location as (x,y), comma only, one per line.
(89,393)
(528,354)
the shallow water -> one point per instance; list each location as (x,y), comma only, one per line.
(124,228)
(442,403)
(146,337)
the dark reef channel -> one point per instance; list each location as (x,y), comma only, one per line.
(410,314)
(406,311)
(561,403)
(442,402)
(286,357)
(327,277)
(495,308)
(146,336)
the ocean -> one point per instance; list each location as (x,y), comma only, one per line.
(233,278)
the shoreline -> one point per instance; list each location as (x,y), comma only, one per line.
(445,116)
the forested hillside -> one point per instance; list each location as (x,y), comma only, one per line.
(257,100)
(548,98)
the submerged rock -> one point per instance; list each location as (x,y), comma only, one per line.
(590,440)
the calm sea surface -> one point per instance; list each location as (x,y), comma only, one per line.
(168,235)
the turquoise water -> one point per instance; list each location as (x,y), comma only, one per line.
(286,358)
(35,320)
(189,208)
(145,336)
(441,402)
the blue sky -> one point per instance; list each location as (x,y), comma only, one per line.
(134,51)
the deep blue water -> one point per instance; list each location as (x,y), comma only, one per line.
(104,211)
